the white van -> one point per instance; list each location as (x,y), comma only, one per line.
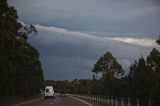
(49,92)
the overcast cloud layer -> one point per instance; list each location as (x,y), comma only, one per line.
(73,34)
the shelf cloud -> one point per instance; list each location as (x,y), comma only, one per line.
(73,34)
(135,41)
(84,36)
(79,51)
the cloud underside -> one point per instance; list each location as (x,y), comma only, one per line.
(85,29)
(146,42)
(69,54)
(136,16)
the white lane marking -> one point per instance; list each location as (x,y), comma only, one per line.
(81,100)
(27,102)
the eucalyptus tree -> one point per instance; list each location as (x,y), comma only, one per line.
(106,71)
(20,68)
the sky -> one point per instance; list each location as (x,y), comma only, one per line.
(73,34)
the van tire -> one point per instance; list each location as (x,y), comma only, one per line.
(45,97)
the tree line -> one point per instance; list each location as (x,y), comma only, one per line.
(142,81)
(20,69)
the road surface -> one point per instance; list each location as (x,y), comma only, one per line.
(58,101)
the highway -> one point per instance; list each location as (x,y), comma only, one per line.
(58,101)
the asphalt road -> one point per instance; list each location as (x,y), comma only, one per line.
(58,101)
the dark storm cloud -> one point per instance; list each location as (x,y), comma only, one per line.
(60,68)
(71,54)
(118,16)
(73,34)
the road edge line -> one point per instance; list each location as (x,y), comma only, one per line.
(81,100)
(27,102)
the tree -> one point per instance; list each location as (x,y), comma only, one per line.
(153,61)
(138,75)
(20,68)
(108,66)
(25,31)
(144,76)
(109,69)
(158,40)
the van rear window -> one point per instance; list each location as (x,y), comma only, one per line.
(47,90)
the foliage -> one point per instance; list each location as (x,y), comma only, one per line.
(142,81)
(110,69)
(20,68)
(108,66)
(158,40)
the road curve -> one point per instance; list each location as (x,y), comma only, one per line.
(58,101)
